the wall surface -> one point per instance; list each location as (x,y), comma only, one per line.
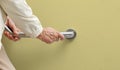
(96,47)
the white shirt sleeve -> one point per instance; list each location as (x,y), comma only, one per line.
(20,12)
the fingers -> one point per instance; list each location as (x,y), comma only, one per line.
(46,38)
(15,30)
(50,35)
(61,36)
(53,36)
(11,37)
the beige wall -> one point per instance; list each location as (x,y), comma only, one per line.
(96,47)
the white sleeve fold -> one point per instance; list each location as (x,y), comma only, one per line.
(20,12)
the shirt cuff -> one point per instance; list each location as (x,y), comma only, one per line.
(37,32)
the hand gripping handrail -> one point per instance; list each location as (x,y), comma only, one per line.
(69,34)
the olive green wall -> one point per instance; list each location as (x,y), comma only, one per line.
(96,47)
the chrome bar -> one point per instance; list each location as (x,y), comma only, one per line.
(69,34)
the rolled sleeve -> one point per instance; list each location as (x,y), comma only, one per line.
(20,12)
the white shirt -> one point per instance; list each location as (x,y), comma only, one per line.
(22,16)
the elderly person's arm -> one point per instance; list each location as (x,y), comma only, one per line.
(15,30)
(21,14)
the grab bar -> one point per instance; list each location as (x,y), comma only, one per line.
(69,34)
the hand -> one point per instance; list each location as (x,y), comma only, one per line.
(50,35)
(15,30)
